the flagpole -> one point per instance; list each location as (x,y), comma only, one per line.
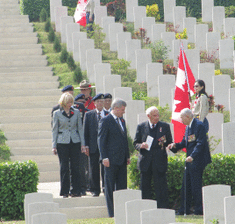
(186,74)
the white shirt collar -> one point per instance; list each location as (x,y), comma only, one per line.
(114,116)
(191,123)
(101,112)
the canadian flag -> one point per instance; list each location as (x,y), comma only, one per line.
(183,90)
(80,13)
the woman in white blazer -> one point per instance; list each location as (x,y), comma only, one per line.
(68,142)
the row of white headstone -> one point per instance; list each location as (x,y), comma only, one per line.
(158,85)
(39,208)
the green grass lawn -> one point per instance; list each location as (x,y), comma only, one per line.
(190,219)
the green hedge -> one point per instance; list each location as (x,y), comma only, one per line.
(16,180)
(220,171)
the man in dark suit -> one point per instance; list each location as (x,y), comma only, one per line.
(198,156)
(90,132)
(152,160)
(114,151)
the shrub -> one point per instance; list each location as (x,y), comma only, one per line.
(51,35)
(47,26)
(16,180)
(220,171)
(141,34)
(33,8)
(96,34)
(77,74)
(153,11)
(182,35)
(71,62)
(4,149)
(43,16)
(230,11)
(120,67)
(116,9)
(64,55)
(57,45)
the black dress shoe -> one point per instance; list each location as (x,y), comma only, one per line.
(95,194)
(65,196)
(83,193)
(75,195)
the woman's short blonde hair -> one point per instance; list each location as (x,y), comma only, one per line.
(66,98)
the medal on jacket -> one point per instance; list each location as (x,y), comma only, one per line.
(161,142)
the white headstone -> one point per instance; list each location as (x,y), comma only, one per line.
(35,197)
(49,218)
(131,46)
(157,29)
(200,36)
(226,48)
(165,83)
(229,206)
(110,82)
(133,209)
(133,108)
(99,12)
(218,15)
(147,23)
(63,22)
(232,104)
(124,93)
(176,45)
(142,117)
(53,4)
(207,6)
(167,38)
(70,29)
(60,11)
(212,44)
(179,13)
(129,9)
(189,23)
(221,84)
(120,198)
(100,70)
(76,37)
(105,21)
(215,129)
(139,13)
(229,27)
(206,72)
(41,207)
(84,45)
(228,131)
(121,45)
(114,28)
(193,57)
(143,57)
(168,10)
(93,56)
(157,216)
(213,202)
(153,71)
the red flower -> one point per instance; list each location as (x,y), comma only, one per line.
(71,112)
(122,120)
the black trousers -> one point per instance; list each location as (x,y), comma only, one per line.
(83,170)
(69,155)
(115,178)
(160,186)
(193,177)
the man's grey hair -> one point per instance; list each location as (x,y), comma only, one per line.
(150,109)
(118,103)
(187,112)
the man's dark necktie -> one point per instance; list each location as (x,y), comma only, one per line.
(117,119)
(99,116)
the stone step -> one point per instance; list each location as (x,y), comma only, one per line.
(22,52)
(5,78)
(49,176)
(20,46)
(30,92)
(17,35)
(13,17)
(29,99)
(29,143)
(9,1)
(6,25)
(25,119)
(85,212)
(24,19)
(9,6)
(23,57)
(37,158)
(24,69)
(40,104)
(16,29)
(29,135)
(23,63)
(49,166)
(29,85)
(25,112)
(31,151)
(10,11)
(25,127)
(19,40)
(28,74)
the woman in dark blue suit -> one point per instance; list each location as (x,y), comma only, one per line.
(67,134)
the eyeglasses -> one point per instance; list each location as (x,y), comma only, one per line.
(195,86)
